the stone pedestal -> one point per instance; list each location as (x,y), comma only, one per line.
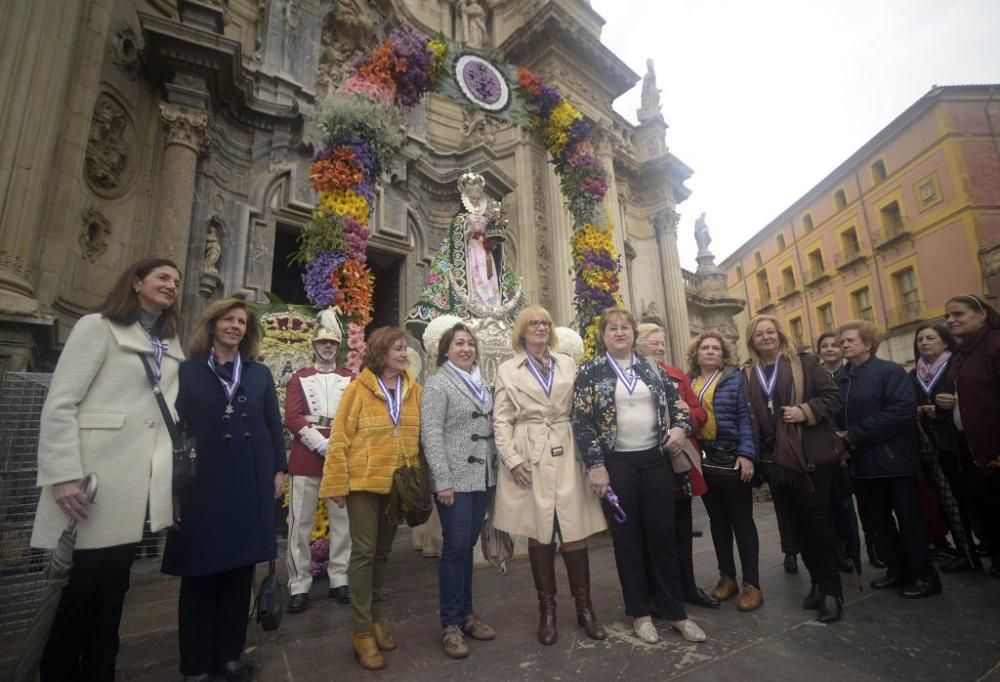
(665,225)
(185,139)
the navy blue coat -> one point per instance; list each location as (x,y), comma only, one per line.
(732,412)
(880,417)
(227,517)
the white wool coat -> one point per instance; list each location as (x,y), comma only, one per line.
(101,416)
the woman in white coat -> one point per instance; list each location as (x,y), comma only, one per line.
(101,416)
(541,489)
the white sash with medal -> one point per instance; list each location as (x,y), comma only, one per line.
(708,385)
(768,386)
(629,378)
(928,386)
(478,390)
(547,381)
(393,402)
(229,386)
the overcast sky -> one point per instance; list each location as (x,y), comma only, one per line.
(764,98)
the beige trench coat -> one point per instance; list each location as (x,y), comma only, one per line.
(528,425)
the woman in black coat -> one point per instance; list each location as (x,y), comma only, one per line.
(878,427)
(226,520)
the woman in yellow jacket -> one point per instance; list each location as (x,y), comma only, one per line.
(376,431)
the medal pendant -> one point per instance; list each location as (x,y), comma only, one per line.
(770,406)
(395,432)
(229,409)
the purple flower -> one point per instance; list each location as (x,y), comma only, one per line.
(410,45)
(316,278)
(482,82)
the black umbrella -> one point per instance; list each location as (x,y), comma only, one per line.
(56,578)
(946,496)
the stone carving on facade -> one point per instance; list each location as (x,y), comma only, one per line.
(650,108)
(210,280)
(348,32)
(651,312)
(473,17)
(477,127)
(702,237)
(95,234)
(126,50)
(184,126)
(110,144)
(666,221)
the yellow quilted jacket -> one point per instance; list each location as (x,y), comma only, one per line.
(364,451)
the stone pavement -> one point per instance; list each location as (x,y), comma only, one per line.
(951,637)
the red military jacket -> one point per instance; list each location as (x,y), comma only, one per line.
(311,401)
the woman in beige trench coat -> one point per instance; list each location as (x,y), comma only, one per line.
(541,489)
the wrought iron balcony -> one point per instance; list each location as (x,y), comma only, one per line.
(905,314)
(849,256)
(892,232)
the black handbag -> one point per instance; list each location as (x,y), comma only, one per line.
(185,455)
(270,598)
(718,462)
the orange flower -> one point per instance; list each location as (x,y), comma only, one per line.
(355,284)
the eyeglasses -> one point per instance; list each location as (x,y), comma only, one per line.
(539,324)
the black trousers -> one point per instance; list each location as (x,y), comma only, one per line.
(730,513)
(984,492)
(642,480)
(83,642)
(902,548)
(813,527)
(785,512)
(212,619)
(683,526)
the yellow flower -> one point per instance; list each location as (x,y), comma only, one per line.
(346,203)
(557,129)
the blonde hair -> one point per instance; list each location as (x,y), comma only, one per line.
(727,354)
(204,334)
(868,332)
(645,329)
(785,348)
(521,326)
(605,320)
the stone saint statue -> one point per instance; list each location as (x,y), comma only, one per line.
(473,23)
(470,276)
(213,251)
(649,107)
(701,235)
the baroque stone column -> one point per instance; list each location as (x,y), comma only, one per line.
(186,131)
(678,325)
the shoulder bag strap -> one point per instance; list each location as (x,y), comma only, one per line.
(175,436)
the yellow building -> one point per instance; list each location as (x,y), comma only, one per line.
(909,220)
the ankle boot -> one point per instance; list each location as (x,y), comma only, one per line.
(542,559)
(366,651)
(814,599)
(578,571)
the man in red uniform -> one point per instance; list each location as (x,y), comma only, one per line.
(311,402)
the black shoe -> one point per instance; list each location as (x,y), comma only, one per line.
(791,564)
(831,609)
(995,568)
(957,565)
(813,600)
(298,603)
(873,557)
(887,582)
(342,594)
(237,671)
(844,563)
(918,589)
(702,598)
(697,533)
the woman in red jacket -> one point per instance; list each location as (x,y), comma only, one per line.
(652,344)
(975,369)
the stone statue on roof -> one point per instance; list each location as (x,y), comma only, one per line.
(701,235)
(650,106)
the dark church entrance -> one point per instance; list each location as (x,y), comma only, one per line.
(388,269)
(286,277)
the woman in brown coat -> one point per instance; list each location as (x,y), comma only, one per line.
(541,489)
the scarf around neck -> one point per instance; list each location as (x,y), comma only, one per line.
(927,372)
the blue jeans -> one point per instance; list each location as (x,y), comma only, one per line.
(460,524)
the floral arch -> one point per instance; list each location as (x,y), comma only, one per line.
(361,126)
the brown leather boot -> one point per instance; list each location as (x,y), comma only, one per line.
(578,571)
(726,588)
(383,639)
(366,651)
(543,570)
(751,598)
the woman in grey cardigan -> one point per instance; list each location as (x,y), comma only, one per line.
(456,429)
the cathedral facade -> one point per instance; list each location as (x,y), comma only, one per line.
(184,129)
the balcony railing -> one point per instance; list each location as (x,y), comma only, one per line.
(892,231)
(815,276)
(849,256)
(905,314)
(764,302)
(786,291)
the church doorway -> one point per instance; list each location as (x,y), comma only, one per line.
(286,277)
(388,270)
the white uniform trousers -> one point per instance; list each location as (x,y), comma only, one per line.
(301,515)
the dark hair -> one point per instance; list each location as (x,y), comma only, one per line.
(949,339)
(692,358)
(121,305)
(823,337)
(445,343)
(379,344)
(978,304)
(202,341)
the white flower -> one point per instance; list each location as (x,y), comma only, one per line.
(570,343)
(436,329)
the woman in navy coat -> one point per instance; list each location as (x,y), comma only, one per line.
(225,522)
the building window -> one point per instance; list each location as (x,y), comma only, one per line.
(788,279)
(840,199)
(795,327)
(757,260)
(824,315)
(849,242)
(739,273)
(763,288)
(816,263)
(892,220)
(927,191)
(781,243)
(862,303)
(906,287)
(807,223)
(878,171)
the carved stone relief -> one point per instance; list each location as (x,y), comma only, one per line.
(477,127)
(185,126)
(210,280)
(95,233)
(109,161)
(347,34)
(126,50)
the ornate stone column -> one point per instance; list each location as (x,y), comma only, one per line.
(185,130)
(678,325)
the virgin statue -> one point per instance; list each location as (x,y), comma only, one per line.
(470,276)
